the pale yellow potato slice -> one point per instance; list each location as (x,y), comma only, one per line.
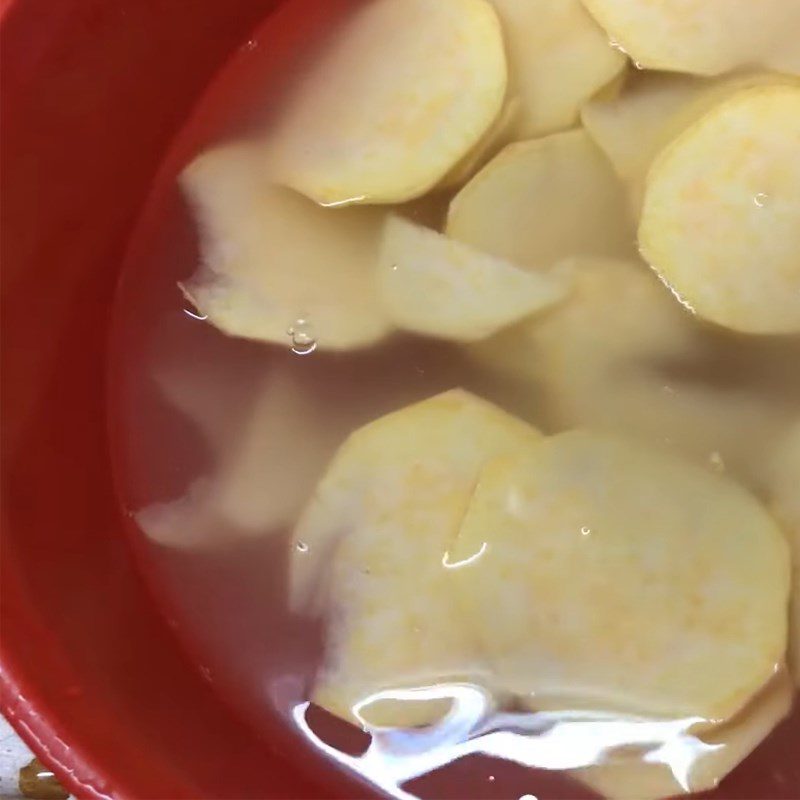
(404,92)
(539,202)
(704,37)
(558,58)
(785,502)
(436,286)
(697,762)
(604,574)
(271,258)
(369,550)
(632,127)
(721,215)
(619,354)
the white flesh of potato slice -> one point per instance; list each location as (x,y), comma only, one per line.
(380,523)
(405,90)
(558,58)
(785,502)
(721,215)
(704,37)
(436,286)
(541,201)
(270,257)
(608,575)
(633,127)
(701,760)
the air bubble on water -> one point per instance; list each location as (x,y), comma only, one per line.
(716,462)
(586,531)
(303,340)
(250,44)
(394,267)
(301,547)
(491,779)
(638,65)
(761,199)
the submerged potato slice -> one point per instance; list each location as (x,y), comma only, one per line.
(619,354)
(271,257)
(785,502)
(439,287)
(601,573)
(698,762)
(403,93)
(721,215)
(634,126)
(558,58)
(381,520)
(539,202)
(705,37)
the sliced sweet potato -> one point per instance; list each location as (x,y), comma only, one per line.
(439,287)
(603,574)
(404,92)
(721,215)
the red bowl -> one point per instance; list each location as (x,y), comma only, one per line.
(91,678)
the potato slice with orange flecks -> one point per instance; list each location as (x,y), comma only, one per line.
(369,550)
(558,58)
(693,762)
(600,573)
(271,257)
(544,200)
(439,287)
(633,127)
(785,502)
(704,37)
(721,215)
(404,92)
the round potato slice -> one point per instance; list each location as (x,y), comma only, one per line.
(275,266)
(539,202)
(369,550)
(601,573)
(704,37)
(635,125)
(438,287)
(695,762)
(721,215)
(404,92)
(496,137)
(558,58)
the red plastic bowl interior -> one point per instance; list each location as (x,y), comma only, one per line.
(93,92)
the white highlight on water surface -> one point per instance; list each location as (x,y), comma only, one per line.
(447,563)
(562,740)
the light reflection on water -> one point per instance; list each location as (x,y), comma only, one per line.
(549,740)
